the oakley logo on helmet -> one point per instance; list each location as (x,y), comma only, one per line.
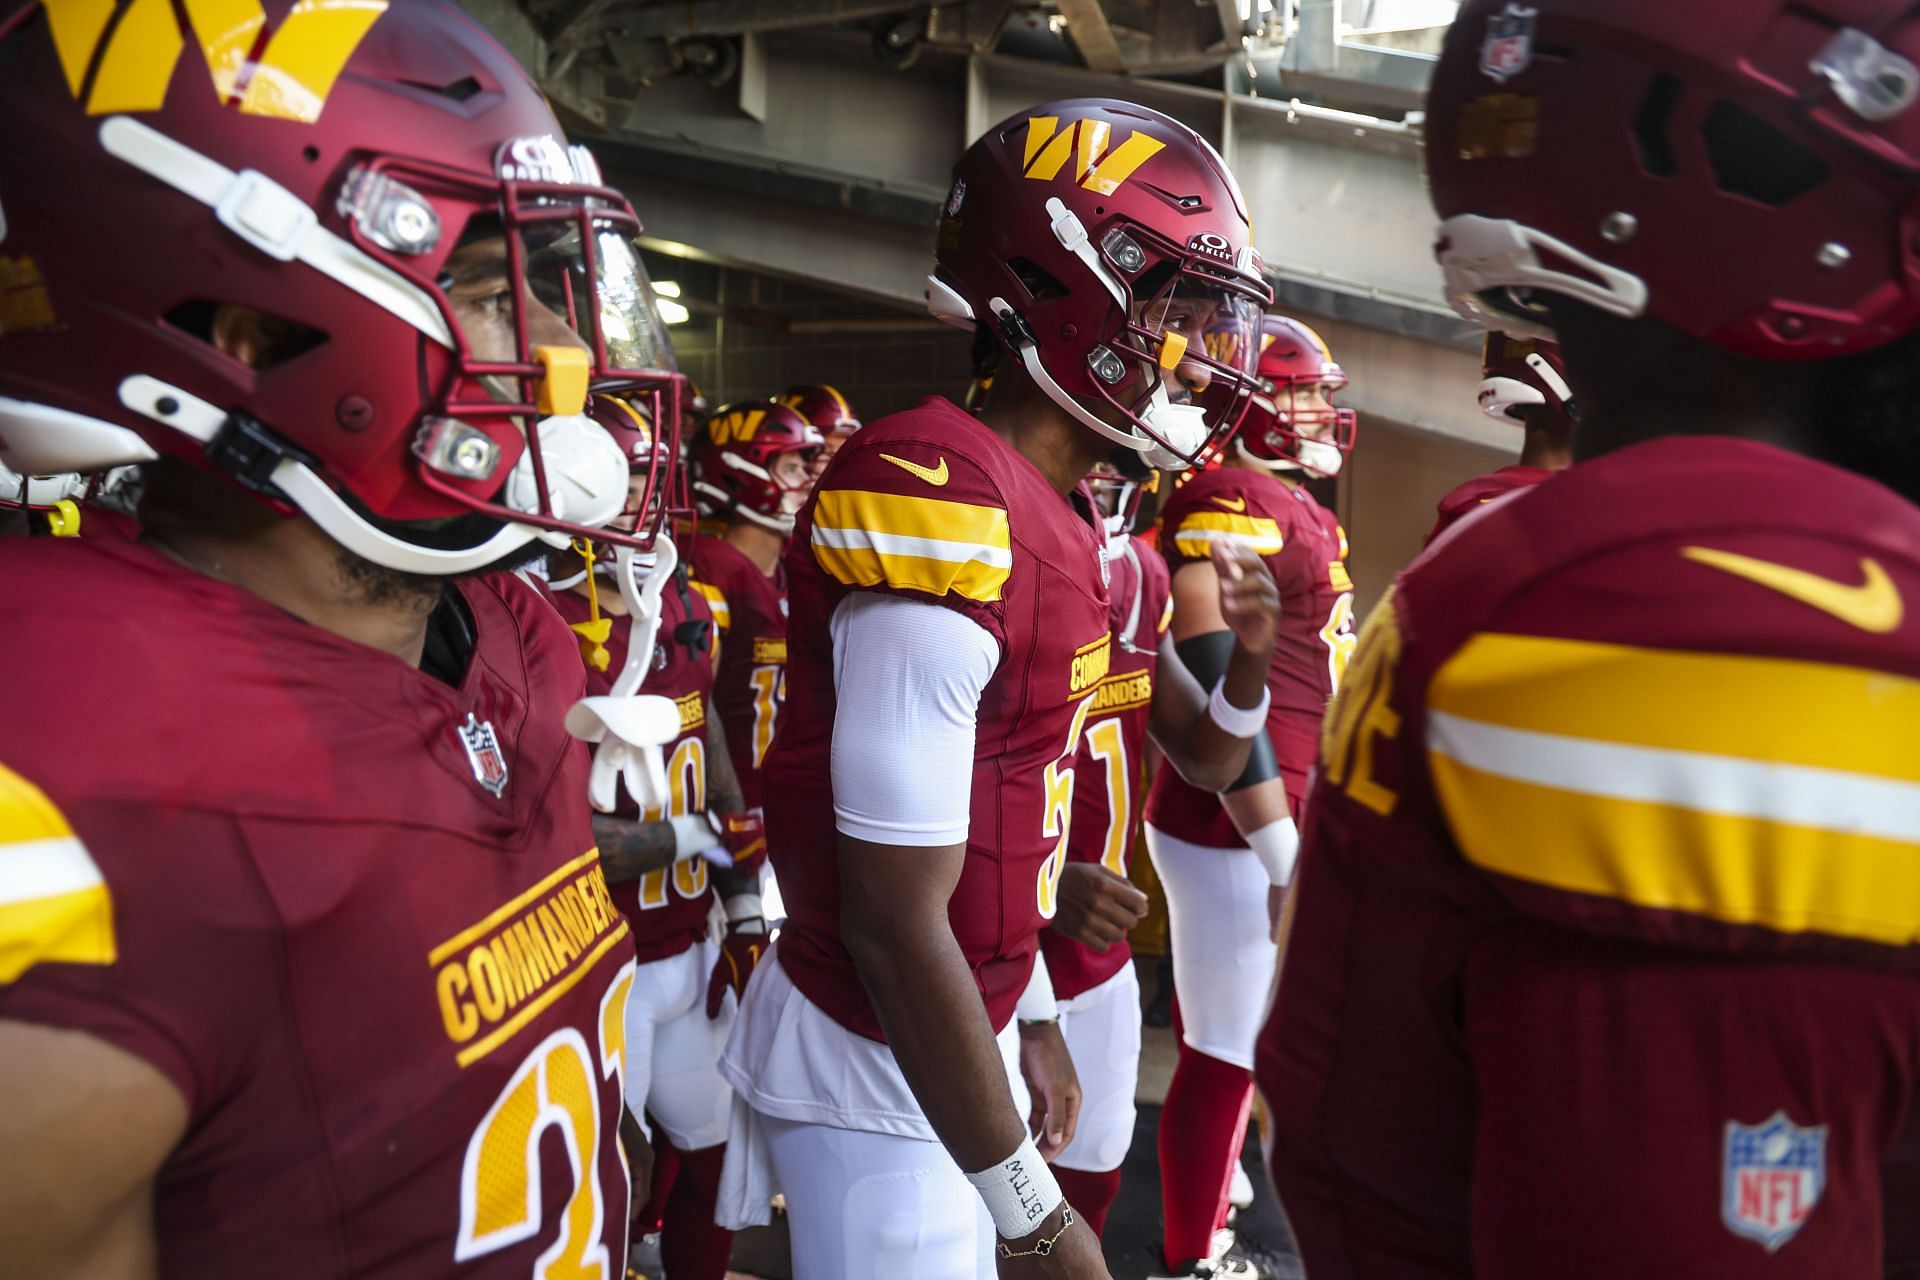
(543,158)
(290,81)
(1096,168)
(1212,244)
(1509,46)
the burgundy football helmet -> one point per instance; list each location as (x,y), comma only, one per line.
(1742,170)
(1294,424)
(1099,240)
(733,462)
(1117,496)
(1517,372)
(825,408)
(657,489)
(384,272)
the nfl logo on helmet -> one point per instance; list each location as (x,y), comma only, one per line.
(1509,47)
(1772,1179)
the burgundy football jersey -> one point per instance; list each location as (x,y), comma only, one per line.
(1481,490)
(352,912)
(1108,774)
(1306,551)
(931,505)
(751,610)
(1606,915)
(667,909)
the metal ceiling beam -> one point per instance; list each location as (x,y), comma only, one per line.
(733,17)
(1318,61)
(1092,34)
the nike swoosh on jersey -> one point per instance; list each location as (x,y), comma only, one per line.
(935,476)
(1232,504)
(1874,606)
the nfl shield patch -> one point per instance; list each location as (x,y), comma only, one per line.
(484,754)
(1509,45)
(1772,1178)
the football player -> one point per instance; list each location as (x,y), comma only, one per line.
(665,867)
(753,464)
(1085,948)
(827,409)
(950,624)
(1225,860)
(307,966)
(1523,383)
(1601,957)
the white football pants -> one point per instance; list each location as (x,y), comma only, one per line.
(1223,957)
(673,1049)
(1102,1030)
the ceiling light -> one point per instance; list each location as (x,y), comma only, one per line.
(667,288)
(672,312)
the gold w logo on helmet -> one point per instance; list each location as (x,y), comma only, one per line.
(1095,167)
(143,42)
(737,427)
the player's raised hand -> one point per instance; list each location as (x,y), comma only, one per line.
(1249,602)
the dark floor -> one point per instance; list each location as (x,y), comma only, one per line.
(1133,1228)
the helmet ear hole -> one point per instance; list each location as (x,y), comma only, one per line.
(1039,283)
(1751,158)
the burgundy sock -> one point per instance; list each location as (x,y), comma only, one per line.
(1201,1129)
(691,1247)
(666,1165)
(1090,1194)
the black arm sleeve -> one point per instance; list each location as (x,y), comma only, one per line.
(1207,657)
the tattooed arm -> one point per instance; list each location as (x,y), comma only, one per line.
(724,796)
(630,848)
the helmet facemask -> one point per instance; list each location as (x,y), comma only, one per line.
(1164,297)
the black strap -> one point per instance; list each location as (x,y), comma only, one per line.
(1207,657)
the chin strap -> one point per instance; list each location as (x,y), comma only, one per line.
(595,631)
(631,727)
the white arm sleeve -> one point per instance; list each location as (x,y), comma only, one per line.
(908,677)
(1037,1003)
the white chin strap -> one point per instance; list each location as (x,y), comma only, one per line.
(724,503)
(1485,254)
(586,478)
(1317,459)
(630,727)
(1183,426)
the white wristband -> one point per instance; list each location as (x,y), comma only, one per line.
(745,906)
(1275,845)
(1241,722)
(693,835)
(1020,1192)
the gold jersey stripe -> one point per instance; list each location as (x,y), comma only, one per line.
(54,903)
(716,603)
(1741,869)
(1197,532)
(1778,710)
(867,539)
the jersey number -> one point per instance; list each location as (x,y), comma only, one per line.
(1106,743)
(556,1087)
(769,691)
(1339,639)
(1361,713)
(686,793)
(1057,820)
